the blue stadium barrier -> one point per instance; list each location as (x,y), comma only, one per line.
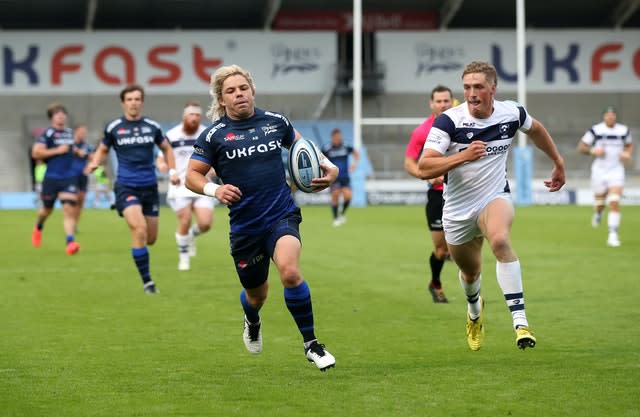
(523,165)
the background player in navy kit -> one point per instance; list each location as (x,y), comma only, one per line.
(441,99)
(133,137)
(470,143)
(184,202)
(82,152)
(243,145)
(338,153)
(55,147)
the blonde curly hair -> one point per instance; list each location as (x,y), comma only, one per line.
(216,111)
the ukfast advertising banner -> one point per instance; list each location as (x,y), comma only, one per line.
(556,61)
(163,61)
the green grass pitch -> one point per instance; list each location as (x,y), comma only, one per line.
(78,337)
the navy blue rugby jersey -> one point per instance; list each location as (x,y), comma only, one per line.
(134,142)
(247,154)
(79,163)
(339,156)
(58,166)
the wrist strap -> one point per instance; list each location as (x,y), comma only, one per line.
(210,189)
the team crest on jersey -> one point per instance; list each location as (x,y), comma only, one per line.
(146,129)
(269,129)
(469,135)
(504,130)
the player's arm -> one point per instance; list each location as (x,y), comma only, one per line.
(412,153)
(584,147)
(161,164)
(433,164)
(40,151)
(329,172)
(627,151)
(170,159)
(97,159)
(543,141)
(196,181)
(355,154)
(411,166)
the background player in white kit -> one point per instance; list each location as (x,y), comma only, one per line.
(470,143)
(184,202)
(610,143)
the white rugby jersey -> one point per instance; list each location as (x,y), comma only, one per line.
(469,186)
(612,140)
(182,145)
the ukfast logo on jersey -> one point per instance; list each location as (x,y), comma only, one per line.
(135,140)
(247,151)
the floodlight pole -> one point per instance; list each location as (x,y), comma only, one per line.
(357,73)
(521,62)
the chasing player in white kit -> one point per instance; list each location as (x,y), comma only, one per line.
(610,143)
(470,143)
(184,202)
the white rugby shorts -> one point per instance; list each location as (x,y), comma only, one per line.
(460,231)
(602,180)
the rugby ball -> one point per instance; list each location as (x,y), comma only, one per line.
(304,164)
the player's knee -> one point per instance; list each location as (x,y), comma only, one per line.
(614,198)
(500,244)
(440,252)
(71,203)
(204,227)
(290,276)
(256,298)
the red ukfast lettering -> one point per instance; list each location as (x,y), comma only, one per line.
(173,70)
(107,78)
(201,64)
(58,66)
(598,64)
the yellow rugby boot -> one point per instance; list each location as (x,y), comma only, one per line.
(475,329)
